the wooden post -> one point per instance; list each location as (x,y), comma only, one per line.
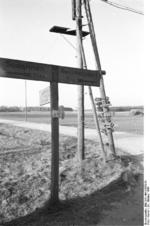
(26,105)
(73,9)
(11,68)
(81,154)
(98,65)
(93,104)
(97,123)
(55,143)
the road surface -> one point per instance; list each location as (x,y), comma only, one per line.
(128,142)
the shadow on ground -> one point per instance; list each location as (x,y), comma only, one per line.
(114,205)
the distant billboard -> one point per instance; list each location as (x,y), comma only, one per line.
(44,95)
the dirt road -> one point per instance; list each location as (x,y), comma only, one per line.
(128,142)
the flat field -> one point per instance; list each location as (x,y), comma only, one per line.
(123,121)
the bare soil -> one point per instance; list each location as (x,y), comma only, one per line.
(85,198)
(114,206)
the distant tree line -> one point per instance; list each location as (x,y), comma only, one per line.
(10,109)
(126,108)
(37,108)
(30,108)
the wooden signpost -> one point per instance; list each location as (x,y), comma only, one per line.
(54,74)
(46,72)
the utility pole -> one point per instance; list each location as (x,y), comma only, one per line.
(78,17)
(105,105)
(80,45)
(93,105)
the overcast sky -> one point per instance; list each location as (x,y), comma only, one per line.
(25,24)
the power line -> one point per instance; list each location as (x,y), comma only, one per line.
(68,42)
(123,7)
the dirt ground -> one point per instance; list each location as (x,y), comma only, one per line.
(24,156)
(113,206)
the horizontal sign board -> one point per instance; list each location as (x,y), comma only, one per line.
(49,73)
(44,96)
(67,31)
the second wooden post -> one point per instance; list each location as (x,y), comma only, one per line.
(81,151)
